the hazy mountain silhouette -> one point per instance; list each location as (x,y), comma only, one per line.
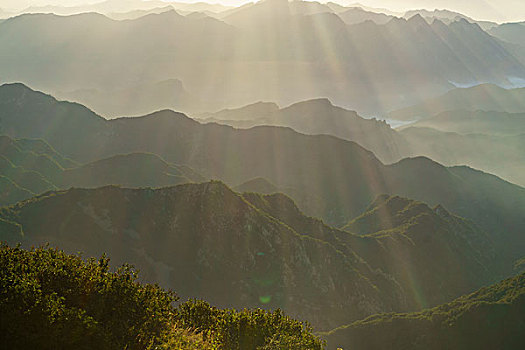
(130,170)
(112,7)
(484,97)
(134,14)
(246,113)
(447,16)
(358,15)
(510,32)
(479,139)
(271,50)
(274,11)
(319,116)
(135,100)
(498,154)
(478,122)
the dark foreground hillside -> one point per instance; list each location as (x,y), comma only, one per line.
(491,318)
(51,300)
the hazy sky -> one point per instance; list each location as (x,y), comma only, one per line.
(498,10)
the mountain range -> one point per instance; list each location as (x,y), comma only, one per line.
(368,265)
(248,250)
(271,50)
(317,117)
(497,154)
(458,137)
(475,122)
(135,100)
(340,174)
(353,167)
(484,97)
(480,126)
(29,167)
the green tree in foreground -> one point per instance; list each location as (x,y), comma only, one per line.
(52,300)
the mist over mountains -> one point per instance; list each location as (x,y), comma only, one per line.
(293,172)
(347,180)
(239,58)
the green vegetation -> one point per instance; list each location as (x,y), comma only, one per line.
(491,318)
(52,300)
(257,329)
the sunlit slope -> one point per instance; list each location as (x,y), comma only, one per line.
(270,51)
(491,318)
(252,250)
(410,232)
(345,176)
(53,300)
(433,254)
(484,97)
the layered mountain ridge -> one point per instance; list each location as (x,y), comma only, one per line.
(317,117)
(353,167)
(290,63)
(346,177)
(253,250)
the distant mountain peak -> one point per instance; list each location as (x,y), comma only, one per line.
(418,22)
(259,185)
(321,101)
(164,114)
(15,86)
(463,23)
(417,18)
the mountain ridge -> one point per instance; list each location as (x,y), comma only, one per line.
(487,319)
(241,250)
(345,181)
